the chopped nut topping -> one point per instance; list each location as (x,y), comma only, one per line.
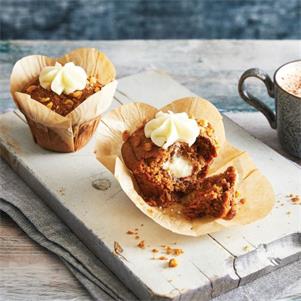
(92,80)
(172,263)
(49,105)
(141,244)
(68,102)
(31,88)
(44,99)
(77,94)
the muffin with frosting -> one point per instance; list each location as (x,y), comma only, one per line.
(63,99)
(169,155)
(62,88)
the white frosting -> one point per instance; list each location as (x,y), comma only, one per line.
(178,167)
(167,128)
(63,79)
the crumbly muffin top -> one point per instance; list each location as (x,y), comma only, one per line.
(62,104)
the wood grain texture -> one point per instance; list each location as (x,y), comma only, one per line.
(29,272)
(226,248)
(210,68)
(150,19)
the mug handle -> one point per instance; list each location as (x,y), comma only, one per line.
(252,100)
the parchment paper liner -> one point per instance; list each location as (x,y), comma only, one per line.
(49,129)
(252,185)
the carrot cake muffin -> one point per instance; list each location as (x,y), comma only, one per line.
(215,196)
(168,156)
(62,88)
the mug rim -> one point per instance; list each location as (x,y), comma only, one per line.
(277,84)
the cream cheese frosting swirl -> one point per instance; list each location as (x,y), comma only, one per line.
(63,79)
(167,128)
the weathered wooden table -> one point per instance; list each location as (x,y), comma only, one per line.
(208,68)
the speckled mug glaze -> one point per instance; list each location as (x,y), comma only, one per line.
(287,118)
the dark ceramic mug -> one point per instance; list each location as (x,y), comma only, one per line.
(286,89)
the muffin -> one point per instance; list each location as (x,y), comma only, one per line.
(215,196)
(62,99)
(169,155)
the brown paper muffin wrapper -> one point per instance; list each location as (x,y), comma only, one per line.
(49,129)
(252,185)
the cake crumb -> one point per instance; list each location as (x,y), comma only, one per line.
(288,212)
(141,244)
(130,232)
(172,263)
(163,258)
(296,199)
(242,201)
(155,250)
(171,251)
(137,237)
(118,250)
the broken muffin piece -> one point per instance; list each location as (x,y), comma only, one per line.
(215,196)
(169,163)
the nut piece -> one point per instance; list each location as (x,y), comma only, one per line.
(77,94)
(141,244)
(147,146)
(172,263)
(49,105)
(31,88)
(68,102)
(44,99)
(92,80)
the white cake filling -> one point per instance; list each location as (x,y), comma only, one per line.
(178,167)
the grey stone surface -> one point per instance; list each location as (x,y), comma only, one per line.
(150,19)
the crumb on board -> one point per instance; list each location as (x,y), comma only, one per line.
(118,250)
(141,244)
(242,201)
(155,250)
(288,212)
(137,237)
(296,199)
(141,225)
(130,232)
(163,258)
(172,263)
(173,251)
